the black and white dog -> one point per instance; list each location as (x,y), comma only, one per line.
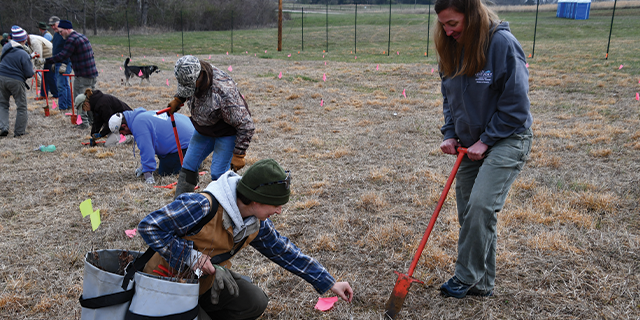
(143,72)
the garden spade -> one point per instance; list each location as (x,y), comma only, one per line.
(175,130)
(404,281)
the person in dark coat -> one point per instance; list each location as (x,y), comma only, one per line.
(103,107)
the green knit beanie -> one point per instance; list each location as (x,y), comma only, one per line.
(266,182)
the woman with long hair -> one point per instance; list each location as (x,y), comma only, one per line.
(486,110)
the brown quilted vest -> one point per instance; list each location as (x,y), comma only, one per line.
(212,240)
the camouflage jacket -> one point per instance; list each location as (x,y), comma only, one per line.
(223,103)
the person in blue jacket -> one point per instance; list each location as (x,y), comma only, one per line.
(154,135)
(484,87)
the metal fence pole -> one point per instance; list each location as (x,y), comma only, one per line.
(302,28)
(327,24)
(535,29)
(231,31)
(389,43)
(126,15)
(355,31)
(611,29)
(428,27)
(182,31)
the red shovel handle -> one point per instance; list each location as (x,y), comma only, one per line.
(434,217)
(175,131)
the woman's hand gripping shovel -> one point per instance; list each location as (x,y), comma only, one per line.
(404,281)
(175,130)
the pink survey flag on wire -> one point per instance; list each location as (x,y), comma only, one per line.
(120,68)
(321,102)
(130,233)
(230,69)
(324,77)
(432,70)
(122,138)
(209,57)
(79,120)
(620,67)
(54,105)
(140,73)
(325,63)
(167,82)
(637,96)
(325,304)
(356,57)
(280,75)
(289,56)
(227,52)
(377,67)
(162,59)
(398,52)
(403,93)
(265,51)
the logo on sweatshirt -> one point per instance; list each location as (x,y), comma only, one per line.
(484,76)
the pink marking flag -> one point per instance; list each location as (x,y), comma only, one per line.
(265,51)
(101,70)
(289,56)
(324,77)
(620,67)
(122,138)
(377,67)
(67,114)
(140,73)
(54,105)
(398,52)
(79,120)
(356,57)
(227,52)
(321,102)
(167,82)
(230,69)
(432,70)
(325,63)
(638,96)
(130,233)
(527,65)
(246,52)
(325,304)
(255,54)
(145,57)
(120,68)
(162,59)
(209,57)
(38,93)
(403,93)
(323,56)
(280,75)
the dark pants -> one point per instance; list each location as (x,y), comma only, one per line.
(50,81)
(170,163)
(249,305)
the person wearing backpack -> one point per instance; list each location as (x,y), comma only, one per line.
(197,234)
(220,116)
(485,83)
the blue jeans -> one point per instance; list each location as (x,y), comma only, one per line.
(170,163)
(64,91)
(481,190)
(201,146)
(50,81)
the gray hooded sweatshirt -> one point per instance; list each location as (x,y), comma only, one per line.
(15,62)
(493,104)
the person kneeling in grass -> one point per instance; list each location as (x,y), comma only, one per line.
(198,233)
(154,135)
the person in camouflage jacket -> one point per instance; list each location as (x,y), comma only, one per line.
(220,116)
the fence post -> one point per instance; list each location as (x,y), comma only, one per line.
(533,52)
(302,28)
(126,15)
(389,43)
(355,30)
(611,29)
(428,27)
(232,31)
(327,23)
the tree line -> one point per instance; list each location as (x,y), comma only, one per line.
(91,16)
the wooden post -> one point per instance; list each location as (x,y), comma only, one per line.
(279,25)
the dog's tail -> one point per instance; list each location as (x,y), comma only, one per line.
(126,62)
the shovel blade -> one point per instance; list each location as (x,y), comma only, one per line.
(399,293)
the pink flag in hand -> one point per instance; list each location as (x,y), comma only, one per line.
(324,77)
(167,82)
(377,67)
(140,73)
(280,75)
(620,67)
(122,138)
(527,65)
(321,102)
(130,233)
(403,93)
(230,69)
(54,105)
(325,304)
(637,96)
(79,120)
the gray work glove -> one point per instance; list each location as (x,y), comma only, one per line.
(148,178)
(225,278)
(139,172)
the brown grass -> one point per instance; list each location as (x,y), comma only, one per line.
(365,183)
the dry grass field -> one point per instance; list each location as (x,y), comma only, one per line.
(367,173)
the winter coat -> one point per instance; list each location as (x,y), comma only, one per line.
(103,107)
(15,63)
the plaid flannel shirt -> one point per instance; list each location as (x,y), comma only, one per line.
(164,228)
(78,49)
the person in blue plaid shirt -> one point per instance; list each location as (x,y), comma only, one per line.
(78,49)
(198,233)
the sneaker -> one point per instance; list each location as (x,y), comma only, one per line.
(455,288)
(479,293)
(4,133)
